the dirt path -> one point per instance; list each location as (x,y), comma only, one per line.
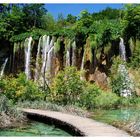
(86,126)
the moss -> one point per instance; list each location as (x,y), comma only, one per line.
(93,41)
(88,51)
(107,48)
(67,43)
(57,45)
(35,33)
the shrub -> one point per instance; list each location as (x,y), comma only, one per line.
(9,115)
(129,102)
(20,89)
(90,92)
(121,83)
(67,87)
(106,100)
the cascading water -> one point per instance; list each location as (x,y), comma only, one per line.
(73,53)
(28,42)
(49,60)
(82,68)
(49,55)
(127,85)
(44,50)
(3,67)
(122,49)
(68,58)
(82,64)
(49,63)
(37,60)
(44,54)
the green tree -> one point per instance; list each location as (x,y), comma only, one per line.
(108,13)
(132,20)
(48,22)
(85,18)
(33,14)
(71,19)
(61,22)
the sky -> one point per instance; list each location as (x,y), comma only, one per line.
(75,9)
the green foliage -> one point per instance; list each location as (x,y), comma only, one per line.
(91,91)
(33,15)
(20,18)
(116,84)
(135,57)
(57,45)
(108,13)
(93,41)
(71,19)
(106,31)
(129,102)
(106,100)
(9,115)
(20,89)
(67,87)
(85,18)
(61,21)
(135,60)
(120,79)
(48,22)
(35,33)
(115,77)
(132,20)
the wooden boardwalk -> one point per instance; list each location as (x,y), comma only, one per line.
(83,126)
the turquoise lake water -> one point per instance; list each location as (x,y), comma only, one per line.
(34,129)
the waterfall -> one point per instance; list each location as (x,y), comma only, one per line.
(27,57)
(68,58)
(122,49)
(49,60)
(127,84)
(73,54)
(82,68)
(82,64)
(45,49)
(50,55)
(37,60)
(3,67)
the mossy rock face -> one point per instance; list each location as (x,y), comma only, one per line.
(137,47)
(88,52)
(57,45)
(107,48)
(67,43)
(98,53)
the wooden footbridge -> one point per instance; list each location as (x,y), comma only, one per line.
(78,126)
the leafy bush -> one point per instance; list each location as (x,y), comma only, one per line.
(91,91)
(129,102)
(9,115)
(20,89)
(135,57)
(35,33)
(67,87)
(106,100)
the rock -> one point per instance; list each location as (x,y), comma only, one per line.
(100,78)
